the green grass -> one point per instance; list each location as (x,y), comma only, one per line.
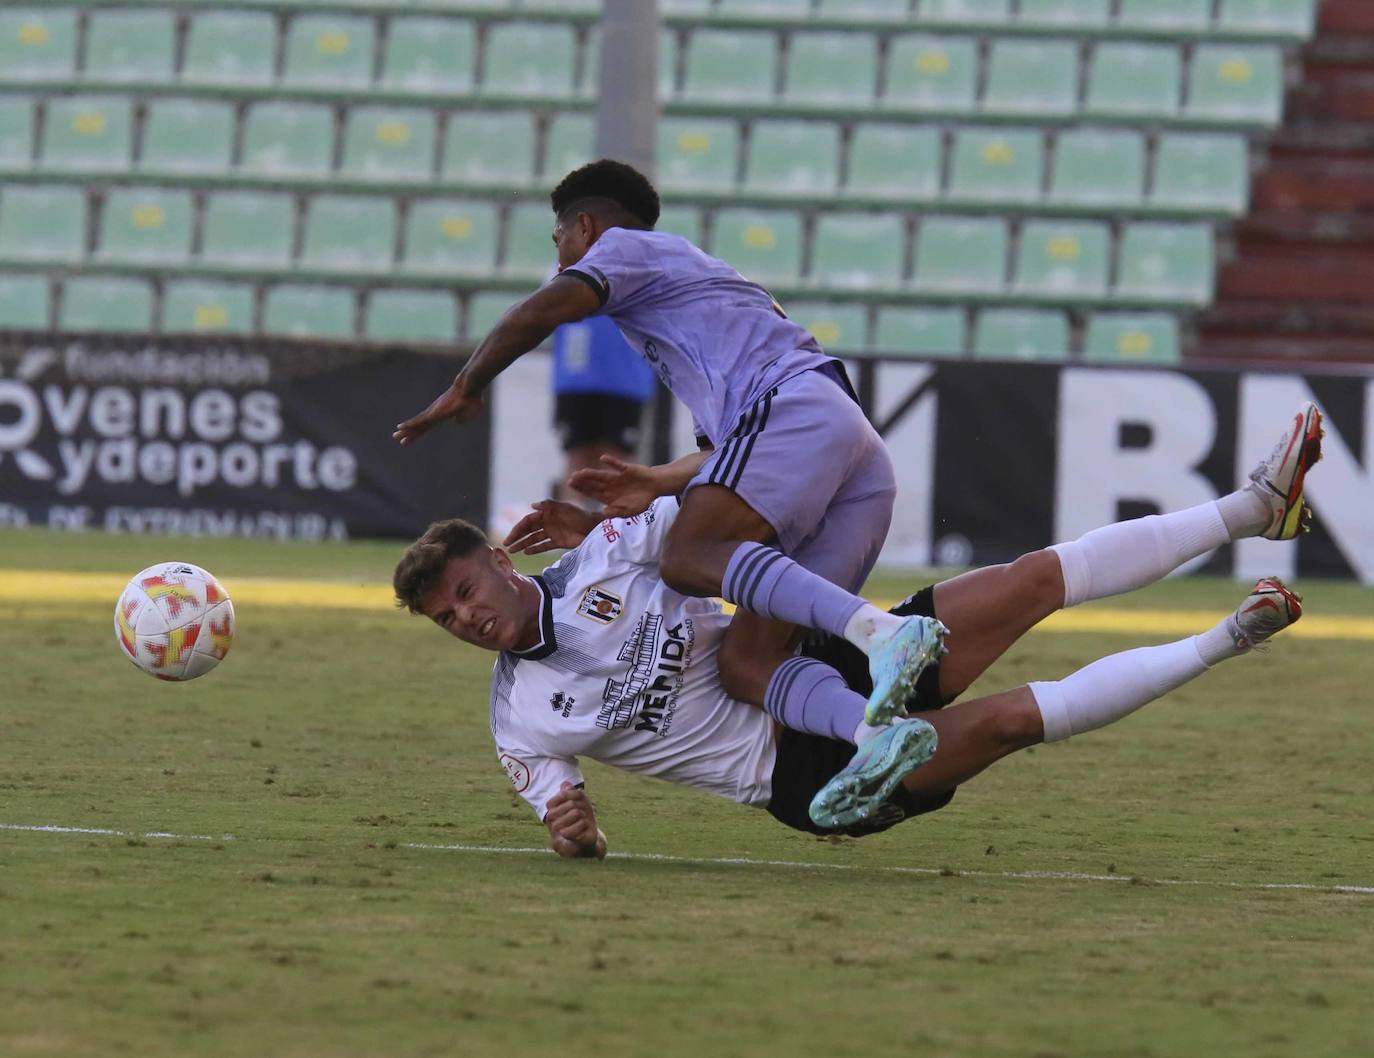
(329,742)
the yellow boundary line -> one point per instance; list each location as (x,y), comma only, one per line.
(45,589)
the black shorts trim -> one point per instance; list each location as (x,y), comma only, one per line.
(597,418)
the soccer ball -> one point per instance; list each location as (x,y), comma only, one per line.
(174,621)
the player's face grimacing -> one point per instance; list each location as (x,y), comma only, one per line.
(483,601)
(573,236)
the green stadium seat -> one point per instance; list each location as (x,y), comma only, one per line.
(963,255)
(1033,77)
(1021,334)
(529,59)
(1288,18)
(681,220)
(762,245)
(1202,172)
(1133,337)
(187,136)
(1098,169)
(863,251)
(288,139)
(1176,16)
(832,68)
(920,332)
(230,48)
(101,303)
(765,8)
(571,143)
(303,311)
(997,165)
(483,310)
(16,133)
(349,233)
(931,73)
(734,66)
(25,303)
(961,12)
(886,10)
(248,229)
(1235,84)
(451,236)
(430,55)
(1170,263)
(494,148)
(329,51)
(900,162)
(1068,14)
(1062,260)
(1134,80)
(130,45)
(698,154)
(530,252)
(195,306)
(793,157)
(37,44)
(42,224)
(87,133)
(838,327)
(389,143)
(146,225)
(411,316)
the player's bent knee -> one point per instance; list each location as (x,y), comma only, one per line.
(683,569)
(1039,580)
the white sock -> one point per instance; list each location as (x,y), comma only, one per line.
(870,624)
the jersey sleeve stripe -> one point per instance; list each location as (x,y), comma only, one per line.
(602,293)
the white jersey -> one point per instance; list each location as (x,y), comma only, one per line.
(626,674)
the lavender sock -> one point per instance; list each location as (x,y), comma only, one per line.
(808,695)
(764,581)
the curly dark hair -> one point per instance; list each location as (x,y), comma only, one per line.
(423,564)
(615,182)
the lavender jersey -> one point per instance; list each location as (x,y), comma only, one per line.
(718,341)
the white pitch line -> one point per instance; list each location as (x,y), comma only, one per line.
(49,829)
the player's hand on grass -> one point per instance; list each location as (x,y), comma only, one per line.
(552,524)
(625,488)
(572,824)
(454,403)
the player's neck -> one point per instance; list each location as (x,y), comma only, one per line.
(532,601)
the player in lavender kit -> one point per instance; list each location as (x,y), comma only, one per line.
(794,467)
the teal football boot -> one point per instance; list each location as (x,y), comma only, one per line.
(896,664)
(856,794)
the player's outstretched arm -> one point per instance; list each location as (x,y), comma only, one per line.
(551,524)
(572,825)
(627,489)
(523,326)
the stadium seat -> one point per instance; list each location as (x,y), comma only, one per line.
(762,245)
(450,236)
(963,255)
(793,157)
(430,55)
(308,311)
(1021,334)
(698,154)
(87,133)
(1034,77)
(1201,172)
(1145,336)
(349,233)
(530,252)
(192,306)
(1235,84)
(1098,169)
(25,303)
(389,143)
(529,59)
(101,303)
(920,332)
(997,165)
(42,224)
(16,133)
(288,139)
(838,327)
(187,136)
(766,8)
(571,143)
(230,48)
(1190,16)
(36,44)
(492,148)
(1293,18)
(1166,263)
(900,162)
(1062,260)
(831,68)
(411,316)
(149,225)
(681,220)
(1068,14)
(861,251)
(735,66)
(1133,80)
(248,229)
(134,45)
(886,10)
(961,12)
(931,73)
(483,310)
(329,51)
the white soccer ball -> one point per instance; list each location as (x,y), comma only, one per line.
(174,621)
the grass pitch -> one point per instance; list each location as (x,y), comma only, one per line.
(298,915)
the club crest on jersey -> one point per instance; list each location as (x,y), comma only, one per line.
(600,605)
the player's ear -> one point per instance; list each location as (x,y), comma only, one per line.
(501,558)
